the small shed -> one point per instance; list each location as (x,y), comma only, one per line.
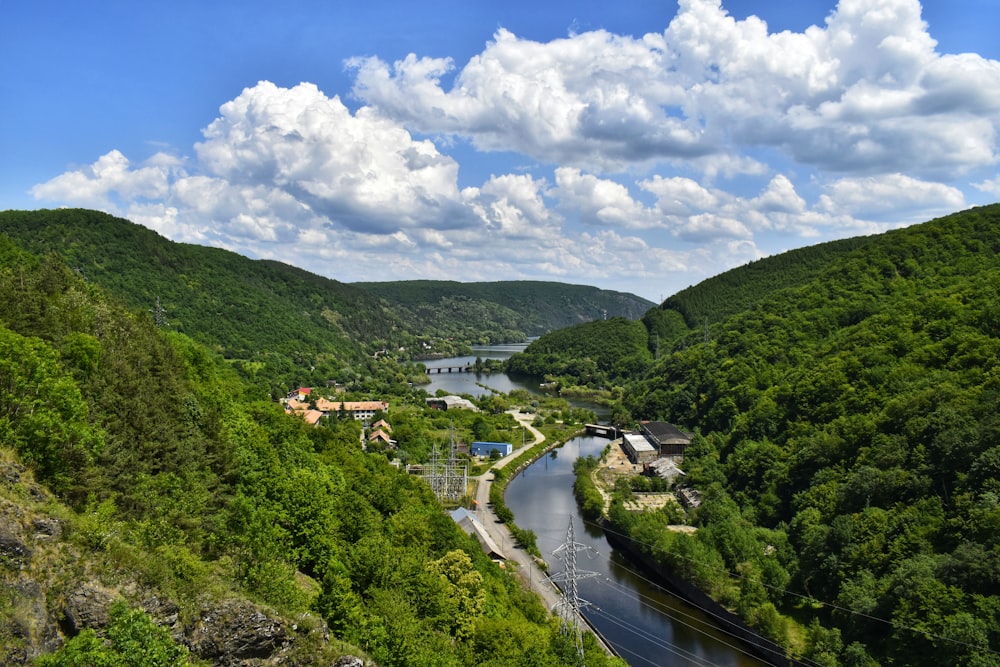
(486,448)
(665,469)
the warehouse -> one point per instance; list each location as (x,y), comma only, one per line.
(486,448)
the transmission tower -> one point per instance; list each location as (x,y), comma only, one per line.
(571,604)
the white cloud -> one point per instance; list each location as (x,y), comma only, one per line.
(109,177)
(600,201)
(684,152)
(990,186)
(895,194)
(865,92)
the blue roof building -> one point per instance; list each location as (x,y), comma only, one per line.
(485,448)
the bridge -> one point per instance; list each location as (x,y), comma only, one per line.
(610,432)
(450,369)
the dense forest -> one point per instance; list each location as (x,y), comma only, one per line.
(847,443)
(284,327)
(515,309)
(137,466)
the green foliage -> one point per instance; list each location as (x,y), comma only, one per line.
(592,354)
(848,395)
(282,327)
(499,312)
(132,640)
(188,482)
(588,497)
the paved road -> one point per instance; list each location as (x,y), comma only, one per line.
(529,571)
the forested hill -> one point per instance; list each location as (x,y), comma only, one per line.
(285,325)
(512,307)
(738,289)
(153,512)
(266,313)
(847,443)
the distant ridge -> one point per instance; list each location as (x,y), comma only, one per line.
(288,319)
(534,307)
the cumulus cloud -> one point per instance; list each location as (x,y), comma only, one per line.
(686,151)
(866,91)
(109,178)
(873,197)
(991,186)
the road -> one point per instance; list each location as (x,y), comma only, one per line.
(527,569)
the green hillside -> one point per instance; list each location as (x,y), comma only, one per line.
(277,319)
(738,289)
(848,446)
(154,511)
(507,310)
(283,326)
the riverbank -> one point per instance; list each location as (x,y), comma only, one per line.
(615,465)
(525,565)
(761,647)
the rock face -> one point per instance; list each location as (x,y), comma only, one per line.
(52,589)
(86,607)
(235,631)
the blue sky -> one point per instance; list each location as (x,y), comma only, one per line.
(636,146)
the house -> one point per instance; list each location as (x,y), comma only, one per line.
(382,424)
(312,417)
(382,438)
(667,438)
(360,410)
(487,448)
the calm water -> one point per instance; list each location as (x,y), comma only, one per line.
(472,383)
(485,383)
(645,625)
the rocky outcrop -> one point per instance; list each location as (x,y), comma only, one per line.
(52,589)
(86,607)
(234,631)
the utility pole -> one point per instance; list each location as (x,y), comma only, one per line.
(572,603)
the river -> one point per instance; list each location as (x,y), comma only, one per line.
(478,384)
(646,625)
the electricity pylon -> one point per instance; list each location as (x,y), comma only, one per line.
(571,604)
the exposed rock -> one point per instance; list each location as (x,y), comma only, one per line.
(86,607)
(349,661)
(13,552)
(10,472)
(234,631)
(47,529)
(162,611)
(28,625)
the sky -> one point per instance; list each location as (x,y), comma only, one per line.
(632,145)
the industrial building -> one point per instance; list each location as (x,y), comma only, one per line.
(486,448)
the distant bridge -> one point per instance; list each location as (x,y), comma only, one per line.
(450,369)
